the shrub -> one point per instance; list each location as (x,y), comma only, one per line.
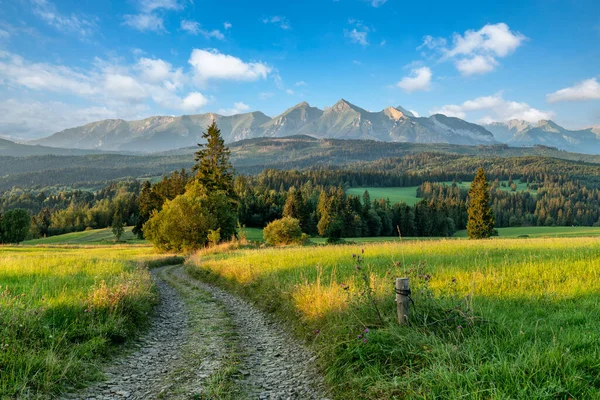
(283,231)
(185,222)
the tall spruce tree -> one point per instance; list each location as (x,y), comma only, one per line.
(213,168)
(481,220)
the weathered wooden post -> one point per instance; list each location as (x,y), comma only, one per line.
(402,300)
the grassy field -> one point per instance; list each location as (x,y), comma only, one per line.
(494,319)
(92,237)
(408,194)
(543,231)
(62,310)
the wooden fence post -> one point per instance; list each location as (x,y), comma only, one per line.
(403,300)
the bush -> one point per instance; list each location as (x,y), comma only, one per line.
(283,231)
(185,222)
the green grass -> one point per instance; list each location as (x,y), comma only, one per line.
(542,231)
(62,310)
(91,237)
(254,234)
(408,194)
(498,319)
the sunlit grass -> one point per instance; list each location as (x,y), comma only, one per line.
(63,309)
(539,300)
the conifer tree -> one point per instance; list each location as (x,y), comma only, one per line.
(481,220)
(213,168)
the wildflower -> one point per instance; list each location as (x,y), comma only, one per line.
(353,255)
(359,336)
(459,327)
(358,267)
(366,330)
(317,331)
(363,251)
(365,340)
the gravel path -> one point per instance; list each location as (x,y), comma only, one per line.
(139,375)
(275,365)
(197,331)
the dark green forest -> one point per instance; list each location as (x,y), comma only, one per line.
(560,192)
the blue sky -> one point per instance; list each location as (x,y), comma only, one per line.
(65,63)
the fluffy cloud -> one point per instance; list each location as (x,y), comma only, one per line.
(502,110)
(301,83)
(210,64)
(476,65)
(194,28)
(419,79)
(238,108)
(144,22)
(585,90)
(15,70)
(48,12)
(278,20)
(476,52)
(227,25)
(193,102)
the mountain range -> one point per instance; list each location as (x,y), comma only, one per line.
(343,120)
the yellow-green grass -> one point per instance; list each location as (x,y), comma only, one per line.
(63,309)
(534,330)
(408,194)
(542,231)
(90,237)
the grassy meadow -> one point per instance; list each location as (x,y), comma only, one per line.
(63,310)
(89,237)
(408,194)
(493,319)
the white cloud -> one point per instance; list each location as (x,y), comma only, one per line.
(476,52)
(356,36)
(112,85)
(419,79)
(238,108)
(4,34)
(301,83)
(15,70)
(496,39)
(227,25)
(356,62)
(148,6)
(502,110)
(359,34)
(210,64)
(432,43)
(289,91)
(278,20)
(144,22)
(416,114)
(585,90)
(476,65)
(194,28)
(193,102)
(124,88)
(48,12)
